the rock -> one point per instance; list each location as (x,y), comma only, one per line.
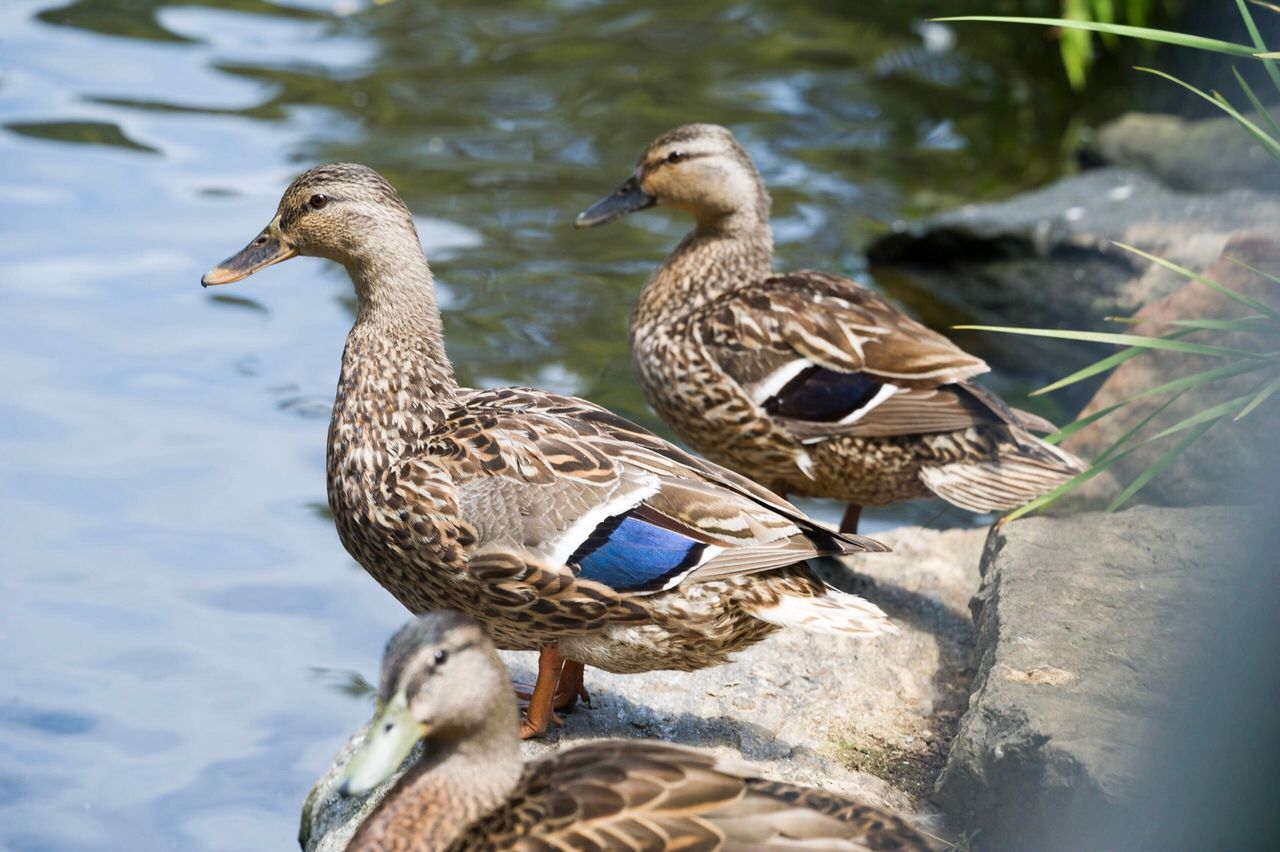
(1234,460)
(1206,155)
(1083,625)
(1045,258)
(865,719)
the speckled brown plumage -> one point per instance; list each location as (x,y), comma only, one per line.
(469,793)
(633,795)
(806,381)
(492,501)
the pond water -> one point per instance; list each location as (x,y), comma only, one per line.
(177,617)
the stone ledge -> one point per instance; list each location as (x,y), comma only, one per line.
(1084,624)
(865,719)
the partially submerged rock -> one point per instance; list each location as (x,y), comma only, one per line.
(1084,626)
(866,719)
(1046,258)
(1204,155)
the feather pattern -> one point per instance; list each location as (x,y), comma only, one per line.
(627,796)
(807,381)
(469,790)
(595,524)
(553,521)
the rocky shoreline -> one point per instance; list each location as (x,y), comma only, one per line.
(867,719)
(1017,702)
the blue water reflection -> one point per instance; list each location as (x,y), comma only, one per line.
(169,579)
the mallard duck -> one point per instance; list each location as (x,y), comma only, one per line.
(806,381)
(561,526)
(443,683)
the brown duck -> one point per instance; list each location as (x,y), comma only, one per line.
(442,683)
(806,381)
(560,526)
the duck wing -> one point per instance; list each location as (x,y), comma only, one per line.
(578,486)
(825,356)
(637,795)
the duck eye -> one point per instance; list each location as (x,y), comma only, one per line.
(675,156)
(318,200)
(441,656)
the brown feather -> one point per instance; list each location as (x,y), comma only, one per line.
(637,795)
(717,337)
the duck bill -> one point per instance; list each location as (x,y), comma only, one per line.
(392,735)
(267,248)
(627,198)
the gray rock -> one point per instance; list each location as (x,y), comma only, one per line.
(1046,259)
(865,719)
(1205,155)
(1083,626)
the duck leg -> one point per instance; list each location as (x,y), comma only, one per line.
(570,687)
(849,523)
(540,714)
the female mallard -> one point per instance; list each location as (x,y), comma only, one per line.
(806,381)
(442,682)
(559,525)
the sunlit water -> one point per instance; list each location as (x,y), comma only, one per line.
(170,581)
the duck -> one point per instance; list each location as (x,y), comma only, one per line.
(807,381)
(443,684)
(562,527)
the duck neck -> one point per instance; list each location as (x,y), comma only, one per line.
(443,795)
(396,380)
(719,256)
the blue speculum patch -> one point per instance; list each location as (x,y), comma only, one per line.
(632,555)
(821,395)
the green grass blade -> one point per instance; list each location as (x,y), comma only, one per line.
(1121,340)
(1231,406)
(1183,383)
(1208,282)
(1243,265)
(1257,104)
(1112,455)
(1076,46)
(1261,45)
(1256,322)
(1109,456)
(1108,363)
(1166,458)
(1163,36)
(1120,442)
(1271,388)
(1177,386)
(1080,423)
(1102,366)
(1104,11)
(1271,146)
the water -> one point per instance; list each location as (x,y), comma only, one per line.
(170,579)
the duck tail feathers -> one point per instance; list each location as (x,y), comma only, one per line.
(1006,482)
(834,613)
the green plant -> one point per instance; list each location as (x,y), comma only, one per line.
(1263,366)
(1076,45)
(1257,51)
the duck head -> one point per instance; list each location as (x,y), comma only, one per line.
(329,211)
(698,168)
(442,681)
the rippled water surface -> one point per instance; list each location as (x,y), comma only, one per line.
(170,584)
